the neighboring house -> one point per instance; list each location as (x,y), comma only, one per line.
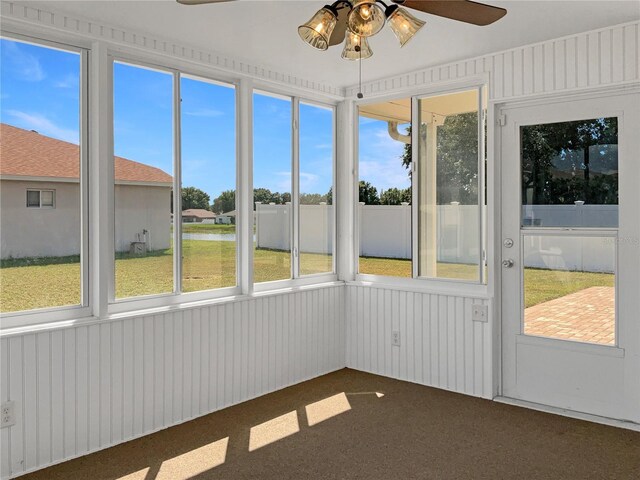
(198,215)
(40,195)
(226,218)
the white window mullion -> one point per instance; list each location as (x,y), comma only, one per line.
(177,187)
(244,182)
(415,136)
(295,188)
(101,166)
(84,181)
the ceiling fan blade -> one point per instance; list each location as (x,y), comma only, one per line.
(337,37)
(200,2)
(461,10)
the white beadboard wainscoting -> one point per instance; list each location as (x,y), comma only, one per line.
(84,388)
(440,346)
(595,59)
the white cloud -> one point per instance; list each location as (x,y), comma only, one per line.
(204,112)
(69,81)
(308,181)
(25,66)
(43,125)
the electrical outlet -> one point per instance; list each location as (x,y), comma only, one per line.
(7,418)
(395,338)
(480,313)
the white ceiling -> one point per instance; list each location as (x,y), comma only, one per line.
(264,32)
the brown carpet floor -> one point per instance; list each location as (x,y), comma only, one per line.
(411,432)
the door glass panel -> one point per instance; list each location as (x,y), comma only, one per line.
(570,174)
(569,287)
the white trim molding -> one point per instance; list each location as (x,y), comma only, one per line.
(603,57)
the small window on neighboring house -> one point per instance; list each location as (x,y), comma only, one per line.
(40,198)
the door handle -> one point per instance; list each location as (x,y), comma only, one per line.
(507,263)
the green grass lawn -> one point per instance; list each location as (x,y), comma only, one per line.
(207,228)
(48,282)
(544,285)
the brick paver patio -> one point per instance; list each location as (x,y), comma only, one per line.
(585,316)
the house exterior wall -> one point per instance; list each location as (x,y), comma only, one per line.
(55,232)
(141,208)
(39,232)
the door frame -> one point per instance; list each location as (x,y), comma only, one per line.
(497,110)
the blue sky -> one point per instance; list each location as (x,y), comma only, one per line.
(40,91)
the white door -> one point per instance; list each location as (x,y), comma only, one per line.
(571,254)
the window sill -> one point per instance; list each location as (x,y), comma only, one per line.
(423,285)
(32,324)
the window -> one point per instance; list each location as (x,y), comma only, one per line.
(272,182)
(440,165)
(143,180)
(41,114)
(293,153)
(449,172)
(384,208)
(208,175)
(41,198)
(316,179)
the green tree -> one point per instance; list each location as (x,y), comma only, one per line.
(263,195)
(395,196)
(368,194)
(456,159)
(193,197)
(312,198)
(569,161)
(225,202)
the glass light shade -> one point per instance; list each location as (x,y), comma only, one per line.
(317,31)
(404,25)
(366,18)
(351,44)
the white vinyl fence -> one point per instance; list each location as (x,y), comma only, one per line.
(385,231)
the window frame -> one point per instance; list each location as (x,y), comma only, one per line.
(26,318)
(97,193)
(176,296)
(296,279)
(40,191)
(334,135)
(416,282)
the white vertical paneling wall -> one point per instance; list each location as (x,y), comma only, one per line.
(84,388)
(440,345)
(599,58)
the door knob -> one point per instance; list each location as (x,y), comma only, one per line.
(507,263)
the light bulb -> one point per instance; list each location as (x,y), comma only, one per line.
(366,18)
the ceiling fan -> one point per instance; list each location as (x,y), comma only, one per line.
(353,21)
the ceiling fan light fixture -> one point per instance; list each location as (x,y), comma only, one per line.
(366,18)
(317,31)
(403,24)
(356,47)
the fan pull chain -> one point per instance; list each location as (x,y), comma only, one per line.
(359,47)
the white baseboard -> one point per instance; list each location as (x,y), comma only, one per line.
(612,422)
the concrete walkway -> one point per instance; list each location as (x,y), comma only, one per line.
(584,316)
